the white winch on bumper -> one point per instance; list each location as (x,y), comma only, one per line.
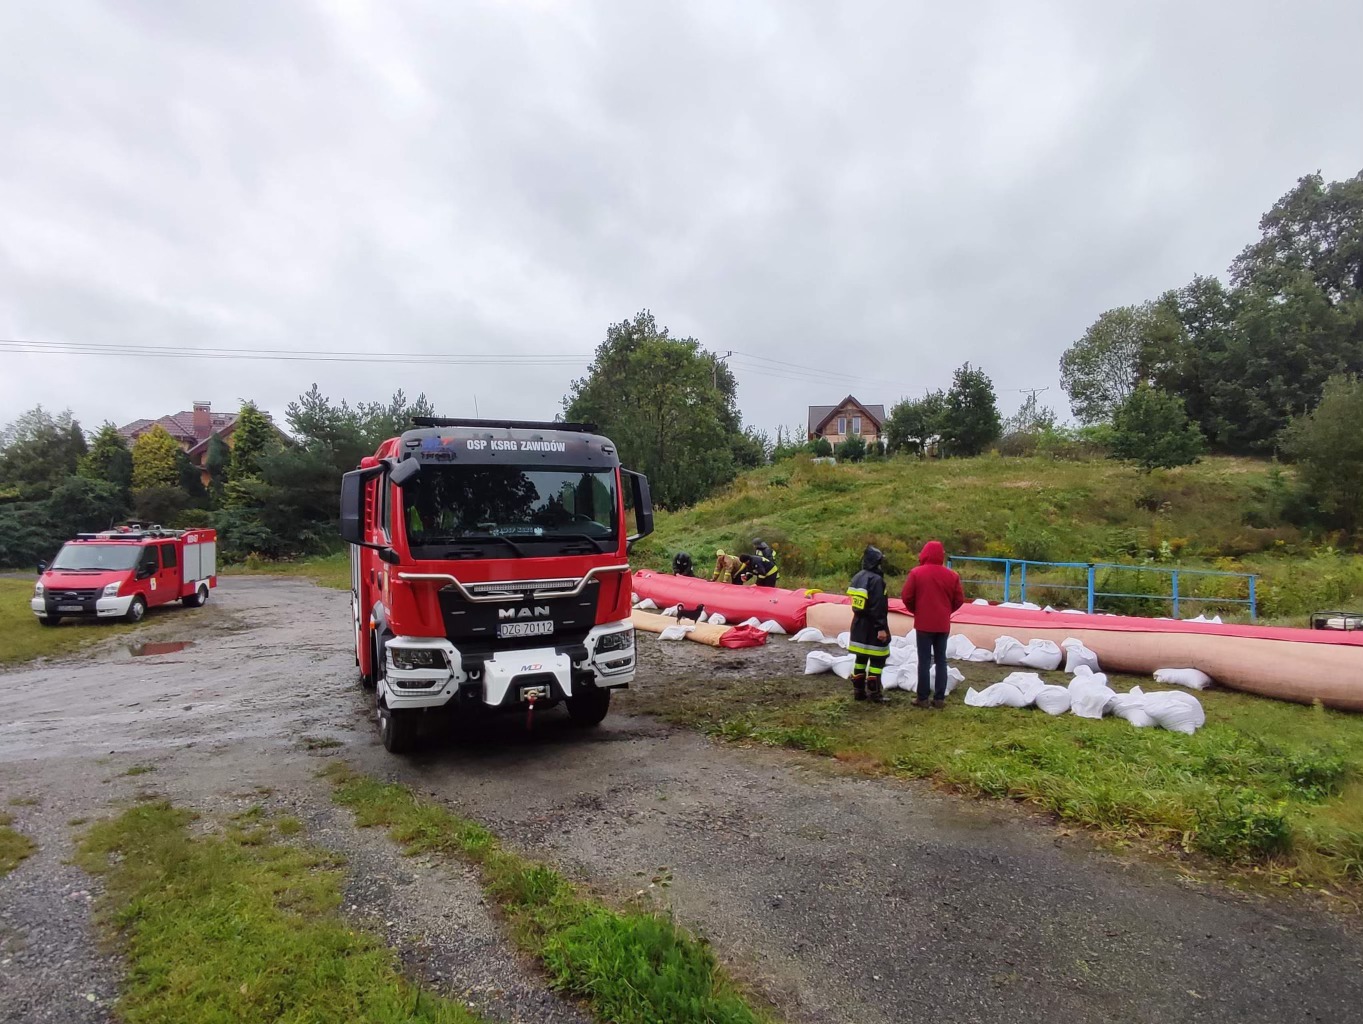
(428,672)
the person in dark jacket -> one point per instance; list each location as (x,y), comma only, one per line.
(870,638)
(772,574)
(762,569)
(681,564)
(931,594)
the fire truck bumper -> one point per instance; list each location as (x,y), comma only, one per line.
(439,673)
(104,607)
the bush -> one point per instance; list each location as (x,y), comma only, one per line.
(1151,428)
(1241,827)
(853,449)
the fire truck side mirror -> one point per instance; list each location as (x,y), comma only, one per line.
(352,505)
(404,472)
(42,568)
(642,501)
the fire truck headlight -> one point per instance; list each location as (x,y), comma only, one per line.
(408,658)
(37,590)
(611,642)
(111,590)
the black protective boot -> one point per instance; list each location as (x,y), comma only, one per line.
(874,692)
(858,686)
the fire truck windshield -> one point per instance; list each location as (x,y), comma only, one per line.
(463,511)
(96,557)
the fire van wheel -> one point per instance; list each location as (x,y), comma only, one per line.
(589,707)
(397,729)
(137,609)
(50,620)
(197,599)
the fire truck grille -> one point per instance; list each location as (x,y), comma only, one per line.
(515,588)
(81,594)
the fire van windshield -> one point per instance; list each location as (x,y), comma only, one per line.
(96,557)
(456,512)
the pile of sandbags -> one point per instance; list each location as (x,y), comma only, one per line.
(1039,654)
(1089,696)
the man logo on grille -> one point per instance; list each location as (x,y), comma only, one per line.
(539,611)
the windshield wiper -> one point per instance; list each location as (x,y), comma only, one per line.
(520,553)
(596,542)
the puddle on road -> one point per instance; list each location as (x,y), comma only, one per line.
(151,650)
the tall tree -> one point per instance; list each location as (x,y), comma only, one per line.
(109,459)
(668,404)
(1315,230)
(216,460)
(1152,428)
(155,458)
(252,437)
(38,451)
(970,420)
(914,423)
(1328,446)
(1101,369)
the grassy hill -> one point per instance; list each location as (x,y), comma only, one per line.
(1224,513)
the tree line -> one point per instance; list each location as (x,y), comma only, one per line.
(268,493)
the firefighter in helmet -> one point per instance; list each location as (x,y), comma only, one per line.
(869,642)
(765,569)
(727,567)
(681,565)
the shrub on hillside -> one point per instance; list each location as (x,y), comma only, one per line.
(1328,446)
(853,449)
(1151,428)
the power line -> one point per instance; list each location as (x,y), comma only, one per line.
(136,350)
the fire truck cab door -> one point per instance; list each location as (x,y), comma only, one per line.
(165,585)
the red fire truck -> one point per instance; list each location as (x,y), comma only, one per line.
(121,573)
(489,570)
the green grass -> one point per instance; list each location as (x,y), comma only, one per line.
(1265,788)
(1210,515)
(240,927)
(628,966)
(331,571)
(23,637)
(15,847)
(141,769)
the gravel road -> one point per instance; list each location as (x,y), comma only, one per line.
(837,898)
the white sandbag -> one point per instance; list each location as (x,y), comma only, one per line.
(647,605)
(844,639)
(1202,618)
(1090,694)
(902,656)
(821,661)
(809,635)
(979,600)
(672,610)
(754,621)
(1072,611)
(904,676)
(771,626)
(954,676)
(1024,605)
(1176,711)
(1042,654)
(996,696)
(675,632)
(1077,654)
(718,620)
(1131,706)
(959,647)
(1054,700)
(1029,684)
(633,598)
(1193,679)
(1009,651)
(909,640)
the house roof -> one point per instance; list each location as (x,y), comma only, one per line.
(180,425)
(819,415)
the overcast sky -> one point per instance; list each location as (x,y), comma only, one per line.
(883,190)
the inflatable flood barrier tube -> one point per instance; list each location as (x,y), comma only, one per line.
(735,603)
(703,633)
(1299,665)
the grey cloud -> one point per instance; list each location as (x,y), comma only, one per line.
(885,189)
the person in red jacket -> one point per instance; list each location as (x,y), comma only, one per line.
(931,593)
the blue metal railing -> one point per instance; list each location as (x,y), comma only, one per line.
(1177,597)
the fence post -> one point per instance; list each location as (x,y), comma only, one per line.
(1007,580)
(1091,578)
(1023,596)
(1174,574)
(1253,603)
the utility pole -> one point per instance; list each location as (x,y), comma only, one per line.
(714,368)
(1032,391)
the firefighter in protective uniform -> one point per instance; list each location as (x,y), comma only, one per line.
(870,640)
(768,573)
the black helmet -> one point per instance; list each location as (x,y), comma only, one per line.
(872,557)
(681,560)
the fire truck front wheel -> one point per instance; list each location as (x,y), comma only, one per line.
(397,729)
(589,707)
(137,609)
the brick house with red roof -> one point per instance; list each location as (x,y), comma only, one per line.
(192,430)
(836,423)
